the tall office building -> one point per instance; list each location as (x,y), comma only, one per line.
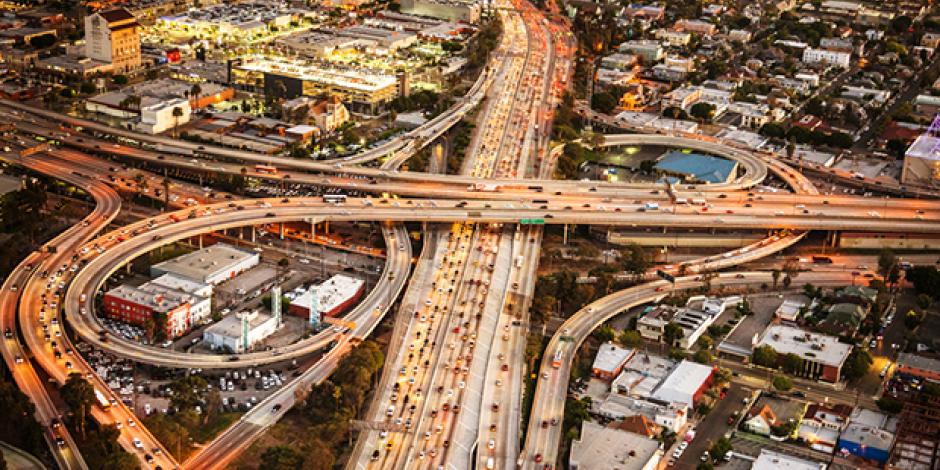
(113,37)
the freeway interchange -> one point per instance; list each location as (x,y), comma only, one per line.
(451,386)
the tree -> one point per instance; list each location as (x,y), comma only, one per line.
(773,130)
(281,458)
(672,333)
(603,102)
(857,364)
(177,114)
(605,334)
(631,339)
(79,395)
(720,448)
(704,112)
(744,307)
(674,112)
(705,342)
(42,42)
(119,79)
(194,93)
(764,356)
(702,356)
(887,260)
(87,88)
(187,392)
(924,301)
(912,319)
(839,139)
(889,404)
(792,363)
(634,259)
(900,24)
(782,383)
(775,275)
(166,192)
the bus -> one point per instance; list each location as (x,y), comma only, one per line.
(556,359)
(102,400)
(334,198)
(266,169)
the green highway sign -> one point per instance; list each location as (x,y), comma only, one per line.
(532,221)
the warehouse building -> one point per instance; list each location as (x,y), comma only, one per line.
(240,332)
(210,265)
(685,384)
(333,297)
(609,361)
(607,448)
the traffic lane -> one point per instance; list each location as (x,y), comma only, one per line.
(712,427)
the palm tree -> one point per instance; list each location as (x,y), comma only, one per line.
(80,396)
(177,114)
(166,192)
(194,94)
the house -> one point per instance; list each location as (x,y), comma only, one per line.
(843,319)
(760,420)
(790,310)
(860,295)
(638,424)
(822,424)
(610,360)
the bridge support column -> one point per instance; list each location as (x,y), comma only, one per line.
(127,267)
(253,234)
(241,233)
(565,235)
(313,230)
(200,241)
(280,231)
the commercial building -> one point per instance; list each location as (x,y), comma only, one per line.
(333,297)
(450,10)
(912,365)
(113,37)
(922,158)
(696,167)
(869,435)
(138,305)
(642,374)
(240,332)
(823,356)
(189,286)
(233,23)
(648,50)
(211,265)
(361,90)
(822,56)
(685,384)
(790,310)
(771,460)
(673,416)
(609,361)
(606,448)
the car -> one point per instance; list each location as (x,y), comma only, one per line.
(491,444)
(138,444)
(799,394)
(131,423)
(538,458)
(276,408)
(148,458)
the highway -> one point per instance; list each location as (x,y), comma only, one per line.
(549,401)
(37,299)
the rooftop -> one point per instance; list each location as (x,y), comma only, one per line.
(701,167)
(601,448)
(157,298)
(926,147)
(918,362)
(200,264)
(770,460)
(355,79)
(684,381)
(332,293)
(231,325)
(610,357)
(823,349)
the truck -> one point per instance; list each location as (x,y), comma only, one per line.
(697,201)
(484,187)
(519,261)
(474,214)
(102,400)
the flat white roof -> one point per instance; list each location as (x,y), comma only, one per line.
(926,147)
(610,357)
(332,293)
(231,325)
(770,460)
(683,382)
(824,349)
(601,448)
(206,262)
(180,283)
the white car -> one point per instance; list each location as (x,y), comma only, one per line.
(138,444)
